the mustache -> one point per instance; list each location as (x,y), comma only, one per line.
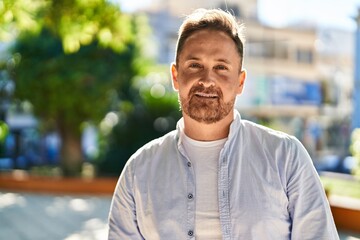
(209,90)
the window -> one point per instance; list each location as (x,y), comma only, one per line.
(269,49)
(304,56)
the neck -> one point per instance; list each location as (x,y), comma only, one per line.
(207,132)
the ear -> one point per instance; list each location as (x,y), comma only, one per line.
(174,74)
(241,81)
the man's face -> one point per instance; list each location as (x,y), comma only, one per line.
(208,76)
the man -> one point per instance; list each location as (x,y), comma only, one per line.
(217,176)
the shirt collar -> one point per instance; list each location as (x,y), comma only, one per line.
(234,126)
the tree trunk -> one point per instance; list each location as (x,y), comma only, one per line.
(71,153)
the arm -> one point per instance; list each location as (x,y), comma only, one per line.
(122,217)
(308,206)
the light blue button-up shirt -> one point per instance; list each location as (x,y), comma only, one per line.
(267,189)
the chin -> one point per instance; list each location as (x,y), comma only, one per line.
(208,118)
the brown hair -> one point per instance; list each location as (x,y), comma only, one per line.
(214,19)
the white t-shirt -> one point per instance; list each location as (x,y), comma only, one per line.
(204,157)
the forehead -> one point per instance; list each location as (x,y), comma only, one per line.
(209,43)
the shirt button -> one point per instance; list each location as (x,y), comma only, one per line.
(190,233)
(189,164)
(190,196)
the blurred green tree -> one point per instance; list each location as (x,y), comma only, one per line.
(75,63)
(68,89)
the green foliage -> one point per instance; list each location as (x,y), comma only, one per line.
(82,22)
(150,112)
(76,23)
(69,88)
(4,131)
(19,15)
(355,150)
(342,187)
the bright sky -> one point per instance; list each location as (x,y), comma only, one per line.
(334,13)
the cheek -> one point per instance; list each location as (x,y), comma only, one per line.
(186,92)
(230,90)
(183,90)
(185,81)
(190,75)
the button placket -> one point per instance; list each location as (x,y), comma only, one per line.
(191,202)
(224,204)
(190,189)
(190,196)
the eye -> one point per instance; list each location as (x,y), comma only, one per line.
(221,67)
(194,65)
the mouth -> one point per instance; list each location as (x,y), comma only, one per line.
(206,95)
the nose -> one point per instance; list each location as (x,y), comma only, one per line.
(208,79)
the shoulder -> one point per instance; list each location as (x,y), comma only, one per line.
(273,142)
(157,144)
(155,149)
(285,147)
(263,133)
(277,147)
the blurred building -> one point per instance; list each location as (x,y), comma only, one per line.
(246,9)
(299,78)
(282,73)
(165,17)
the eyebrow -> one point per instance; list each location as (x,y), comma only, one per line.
(190,57)
(223,60)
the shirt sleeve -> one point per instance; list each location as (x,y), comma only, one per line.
(122,216)
(308,205)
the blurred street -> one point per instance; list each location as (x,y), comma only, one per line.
(25,216)
(39,217)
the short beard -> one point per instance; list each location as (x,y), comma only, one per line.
(206,110)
